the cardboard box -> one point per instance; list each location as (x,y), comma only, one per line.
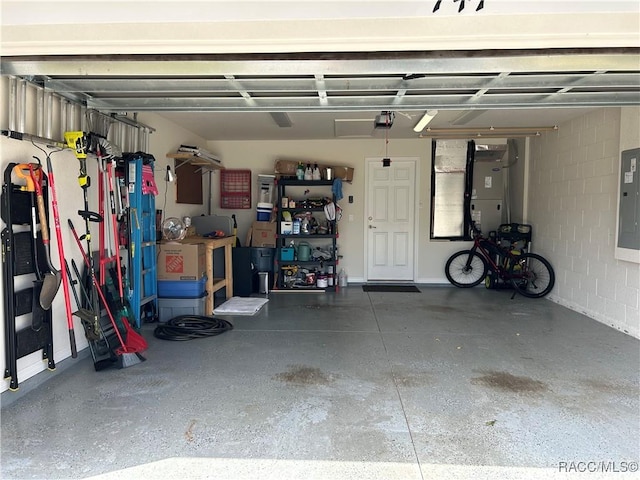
(177,261)
(286,168)
(263,234)
(344,173)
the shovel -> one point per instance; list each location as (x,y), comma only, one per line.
(53,278)
(24,171)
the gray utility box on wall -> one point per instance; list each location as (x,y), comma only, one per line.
(628,221)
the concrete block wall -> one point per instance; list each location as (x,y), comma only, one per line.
(573,208)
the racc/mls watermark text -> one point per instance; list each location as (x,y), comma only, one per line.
(602,466)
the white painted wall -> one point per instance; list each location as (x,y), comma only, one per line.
(260,157)
(573,208)
(167,138)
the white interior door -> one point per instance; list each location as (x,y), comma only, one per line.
(390,221)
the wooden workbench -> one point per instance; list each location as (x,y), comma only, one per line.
(215,284)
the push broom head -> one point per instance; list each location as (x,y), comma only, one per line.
(128,359)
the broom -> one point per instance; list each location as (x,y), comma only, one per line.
(128,352)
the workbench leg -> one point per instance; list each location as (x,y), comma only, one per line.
(228,269)
(208,308)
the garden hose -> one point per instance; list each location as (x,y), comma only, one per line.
(189,327)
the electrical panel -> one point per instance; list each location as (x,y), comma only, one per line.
(629,213)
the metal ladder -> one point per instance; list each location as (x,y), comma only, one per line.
(143,291)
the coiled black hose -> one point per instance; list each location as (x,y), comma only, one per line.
(189,327)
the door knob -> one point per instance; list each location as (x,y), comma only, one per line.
(371,226)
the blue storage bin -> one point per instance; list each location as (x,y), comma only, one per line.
(182,288)
(286,254)
(264,212)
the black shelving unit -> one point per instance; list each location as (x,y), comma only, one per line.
(286,279)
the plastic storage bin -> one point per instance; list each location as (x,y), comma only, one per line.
(169,308)
(181,288)
(264,212)
(287,254)
(262,258)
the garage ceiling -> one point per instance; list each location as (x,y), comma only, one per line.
(239,97)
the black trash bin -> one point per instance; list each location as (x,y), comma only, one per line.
(262,259)
(243,272)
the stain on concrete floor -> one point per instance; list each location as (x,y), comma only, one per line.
(510,383)
(304,375)
(607,387)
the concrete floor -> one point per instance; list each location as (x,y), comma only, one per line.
(446,383)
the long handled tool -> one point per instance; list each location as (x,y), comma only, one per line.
(90,321)
(114,224)
(129,350)
(235,231)
(89,318)
(65,280)
(52,279)
(111,277)
(78,141)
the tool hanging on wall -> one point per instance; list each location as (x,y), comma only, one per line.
(78,142)
(53,278)
(65,280)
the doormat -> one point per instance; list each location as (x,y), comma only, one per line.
(390,288)
(241,306)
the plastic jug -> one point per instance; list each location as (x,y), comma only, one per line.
(304,252)
(342,278)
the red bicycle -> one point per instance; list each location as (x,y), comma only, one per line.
(530,274)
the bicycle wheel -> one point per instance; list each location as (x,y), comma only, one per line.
(533,275)
(463,276)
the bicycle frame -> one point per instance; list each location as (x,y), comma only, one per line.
(530,274)
(506,259)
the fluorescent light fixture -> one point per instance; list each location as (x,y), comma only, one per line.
(281,119)
(424,121)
